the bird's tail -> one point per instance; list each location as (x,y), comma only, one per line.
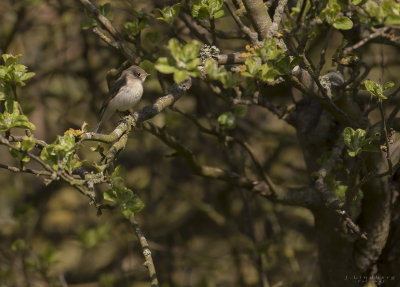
(105,116)
(99,127)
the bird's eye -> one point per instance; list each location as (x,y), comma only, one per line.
(138,74)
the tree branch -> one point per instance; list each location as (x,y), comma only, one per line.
(377,33)
(374,219)
(119,41)
(149,264)
(277,18)
(331,201)
(259,16)
(26,170)
(305,197)
(246,30)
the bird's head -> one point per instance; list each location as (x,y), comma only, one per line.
(137,72)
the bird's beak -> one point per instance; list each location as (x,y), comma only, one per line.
(147,75)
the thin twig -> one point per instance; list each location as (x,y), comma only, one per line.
(194,28)
(253,36)
(105,38)
(213,34)
(38,143)
(102,19)
(26,170)
(149,264)
(379,32)
(110,28)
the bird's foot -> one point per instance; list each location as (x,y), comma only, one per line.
(123,119)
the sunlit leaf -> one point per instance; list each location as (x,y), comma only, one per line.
(169,13)
(180,75)
(227,121)
(165,65)
(342,23)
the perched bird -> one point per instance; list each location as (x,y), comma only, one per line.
(124,94)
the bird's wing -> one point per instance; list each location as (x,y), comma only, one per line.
(120,82)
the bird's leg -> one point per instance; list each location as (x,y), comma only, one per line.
(123,115)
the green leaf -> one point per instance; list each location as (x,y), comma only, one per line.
(19,245)
(110,196)
(240,110)
(356,2)
(2,93)
(219,14)
(268,73)
(199,10)
(165,65)
(203,9)
(388,85)
(126,199)
(342,23)
(393,20)
(180,76)
(371,86)
(184,63)
(270,51)
(335,186)
(194,73)
(356,141)
(190,51)
(283,66)
(11,118)
(212,70)
(132,204)
(14,152)
(13,73)
(174,47)
(28,143)
(252,66)
(62,152)
(136,25)
(227,121)
(229,80)
(3,72)
(27,76)
(376,89)
(353,140)
(193,64)
(10,60)
(169,13)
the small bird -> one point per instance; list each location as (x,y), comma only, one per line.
(124,94)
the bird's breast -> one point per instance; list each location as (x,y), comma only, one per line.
(127,97)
